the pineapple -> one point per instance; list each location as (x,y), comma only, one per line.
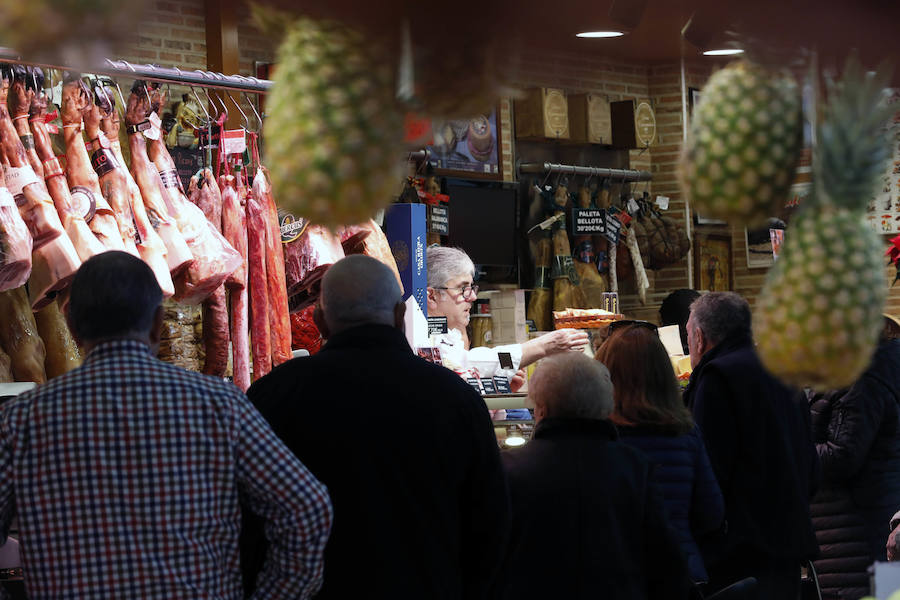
(741,153)
(334,131)
(819,315)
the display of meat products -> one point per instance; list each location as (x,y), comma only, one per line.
(306,259)
(304,332)
(15,242)
(234,228)
(592,283)
(368,238)
(155,199)
(114,185)
(85,242)
(280,325)
(53,257)
(540,304)
(19,337)
(79,172)
(20,98)
(260,335)
(6,375)
(62,351)
(214,258)
(204,192)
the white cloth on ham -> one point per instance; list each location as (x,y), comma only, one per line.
(305,261)
(15,244)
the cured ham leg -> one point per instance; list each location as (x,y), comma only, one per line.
(204,192)
(234,228)
(19,337)
(280,326)
(62,354)
(85,242)
(260,336)
(79,172)
(20,99)
(114,184)
(54,260)
(178,255)
(214,258)
(15,242)
(368,238)
(306,259)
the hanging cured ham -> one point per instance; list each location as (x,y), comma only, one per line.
(15,242)
(85,242)
(114,177)
(79,172)
(54,260)
(306,259)
(234,228)
(19,337)
(214,258)
(368,238)
(62,354)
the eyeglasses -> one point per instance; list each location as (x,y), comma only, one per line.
(466,291)
(623,323)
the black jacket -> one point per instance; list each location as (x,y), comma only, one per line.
(758,438)
(407,450)
(587,521)
(857,435)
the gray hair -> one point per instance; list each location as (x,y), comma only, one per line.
(720,315)
(572,385)
(359,290)
(446,263)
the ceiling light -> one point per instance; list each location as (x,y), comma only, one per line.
(599,34)
(723,52)
(514,441)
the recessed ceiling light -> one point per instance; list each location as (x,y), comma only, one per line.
(599,34)
(723,52)
(514,441)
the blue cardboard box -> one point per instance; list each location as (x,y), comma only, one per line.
(404,226)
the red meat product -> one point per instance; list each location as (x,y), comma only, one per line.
(85,242)
(20,98)
(260,335)
(234,227)
(53,257)
(304,333)
(15,243)
(79,172)
(214,257)
(306,259)
(368,238)
(280,326)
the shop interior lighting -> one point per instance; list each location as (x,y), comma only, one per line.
(599,34)
(723,52)
(515,441)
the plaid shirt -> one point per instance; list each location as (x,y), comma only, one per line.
(126,475)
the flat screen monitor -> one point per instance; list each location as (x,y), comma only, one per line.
(483,223)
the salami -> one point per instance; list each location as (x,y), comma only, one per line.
(234,227)
(260,340)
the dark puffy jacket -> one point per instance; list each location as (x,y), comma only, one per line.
(857,434)
(692,497)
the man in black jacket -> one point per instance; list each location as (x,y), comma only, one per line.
(757,433)
(587,522)
(406,448)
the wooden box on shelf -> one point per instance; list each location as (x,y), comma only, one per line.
(589,119)
(543,113)
(633,124)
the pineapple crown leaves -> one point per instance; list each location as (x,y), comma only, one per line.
(853,142)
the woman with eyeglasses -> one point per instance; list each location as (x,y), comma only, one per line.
(451,292)
(650,415)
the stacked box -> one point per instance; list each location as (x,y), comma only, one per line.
(508,314)
(404,226)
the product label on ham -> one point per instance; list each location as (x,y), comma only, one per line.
(170,179)
(16,180)
(83,202)
(6,199)
(103,161)
(152,132)
(233,141)
(27,141)
(291,227)
(564,266)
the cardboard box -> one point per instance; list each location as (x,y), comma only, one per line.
(633,124)
(508,312)
(543,113)
(404,226)
(589,119)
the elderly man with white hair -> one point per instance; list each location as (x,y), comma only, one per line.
(587,520)
(405,447)
(451,292)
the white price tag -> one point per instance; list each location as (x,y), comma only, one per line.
(153,132)
(234,141)
(18,177)
(632,206)
(662,202)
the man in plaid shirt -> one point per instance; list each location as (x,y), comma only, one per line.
(127,473)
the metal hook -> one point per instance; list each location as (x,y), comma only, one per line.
(222,102)
(255,112)
(121,97)
(244,120)
(203,108)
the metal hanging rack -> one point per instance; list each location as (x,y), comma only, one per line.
(625,175)
(119,68)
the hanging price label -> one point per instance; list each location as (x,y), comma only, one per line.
(153,132)
(234,141)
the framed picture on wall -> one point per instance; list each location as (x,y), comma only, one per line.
(468,148)
(693,99)
(760,248)
(712,262)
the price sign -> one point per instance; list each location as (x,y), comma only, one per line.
(438,219)
(613,226)
(437,325)
(588,221)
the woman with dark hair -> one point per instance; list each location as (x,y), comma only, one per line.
(649,415)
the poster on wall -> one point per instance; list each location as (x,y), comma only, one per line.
(468,147)
(712,262)
(883,210)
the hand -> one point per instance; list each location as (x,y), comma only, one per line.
(563,340)
(893,544)
(517,381)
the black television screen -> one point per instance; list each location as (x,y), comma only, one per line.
(483,223)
